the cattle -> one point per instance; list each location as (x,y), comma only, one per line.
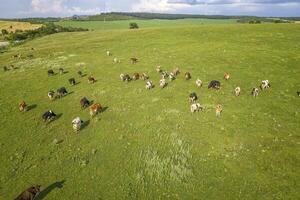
(187,76)
(163,83)
(125,77)
(149,85)
(84,102)
(133,60)
(50,72)
(237,91)
(51,95)
(48,116)
(158,69)
(95,109)
(265,85)
(298,93)
(29,194)
(176,71)
(171,76)
(144,76)
(255,92)
(22,106)
(72,81)
(193,97)
(196,107)
(79,73)
(116,60)
(61,71)
(62,92)
(199,83)
(226,76)
(91,80)
(164,74)
(108,53)
(218,110)
(214,84)
(77,123)
(5,69)
(135,76)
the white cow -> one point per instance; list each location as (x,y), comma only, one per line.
(199,83)
(162,83)
(265,84)
(108,53)
(171,76)
(149,85)
(196,107)
(77,123)
(237,91)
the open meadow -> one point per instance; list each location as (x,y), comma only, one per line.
(147,144)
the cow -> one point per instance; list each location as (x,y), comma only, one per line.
(77,123)
(62,92)
(226,76)
(29,194)
(5,69)
(187,76)
(196,107)
(298,93)
(158,69)
(50,72)
(108,53)
(149,85)
(171,76)
(116,60)
(176,71)
(22,106)
(193,97)
(51,95)
(237,91)
(125,77)
(163,83)
(135,76)
(265,85)
(48,116)
(218,110)
(199,83)
(91,80)
(61,71)
(84,102)
(255,92)
(79,73)
(72,81)
(144,76)
(164,74)
(133,60)
(214,84)
(95,109)
(16,56)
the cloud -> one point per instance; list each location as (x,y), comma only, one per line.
(157,6)
(224,2)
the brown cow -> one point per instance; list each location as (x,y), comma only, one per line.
(133,60)
(29,194)
(187,76)
(95,109)
(226,76)
(176,71)
(91,79)
(136,76)
(22,106)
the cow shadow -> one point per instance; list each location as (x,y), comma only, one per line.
(85,124)
(83,75)
(104,109)
(42,195)
(58,116)
(31,107)
(65,72)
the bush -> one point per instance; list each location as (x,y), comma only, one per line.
(133,25)
(4,32)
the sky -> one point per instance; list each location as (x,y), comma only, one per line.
(63,8)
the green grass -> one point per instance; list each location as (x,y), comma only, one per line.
(124,24)
(147,144)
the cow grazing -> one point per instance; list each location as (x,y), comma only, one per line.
(22,106)
(91,80)
(149,85)
(176,71)
(193,97)
(196,107)
(51,95)
(49,116)
(158,69)
(133,60)
(95,109)
(116,60)
(125,77)
(237,91)
(171,76)
(29,194)
(72,81)
(108,53)
(50,72)
(226,76)
(135,76)
(163,83)
(255,92)
(218,110)
(84,102)
(144,77)
(164,74)
(79,73)
(265,85)
(199,83)
(61,71)
(62,92)
(187,76)
(77,123)
(214,84)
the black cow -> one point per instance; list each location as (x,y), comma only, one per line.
(50,72)
(62,92)
(72,81)
(29,194)
(84,102)
(49,116)
(193,97)
(214,84)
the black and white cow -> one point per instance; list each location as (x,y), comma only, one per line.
(214,84)
(255,92)
(265,85)
(49,116)
(62,92)
(50,72)
(193,97)
(72,81)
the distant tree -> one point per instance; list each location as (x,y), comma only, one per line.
(257,22)
(133,25)
(4,32)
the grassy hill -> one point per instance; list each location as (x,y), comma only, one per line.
(147,144)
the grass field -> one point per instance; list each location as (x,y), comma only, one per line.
(124,24)
(147,144)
